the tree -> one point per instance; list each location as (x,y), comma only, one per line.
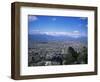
(73,52)
(84,51)
(71,56)
(83,58)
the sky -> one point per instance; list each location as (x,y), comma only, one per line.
(58,25)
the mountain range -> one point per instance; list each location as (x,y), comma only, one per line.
(48,38)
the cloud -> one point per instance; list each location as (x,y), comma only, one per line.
(83,18)
(74,34)
(54,19)
(76,31)
(33,18)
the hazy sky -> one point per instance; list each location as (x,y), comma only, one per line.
(58,25)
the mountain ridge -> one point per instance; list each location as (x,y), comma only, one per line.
(47,38)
